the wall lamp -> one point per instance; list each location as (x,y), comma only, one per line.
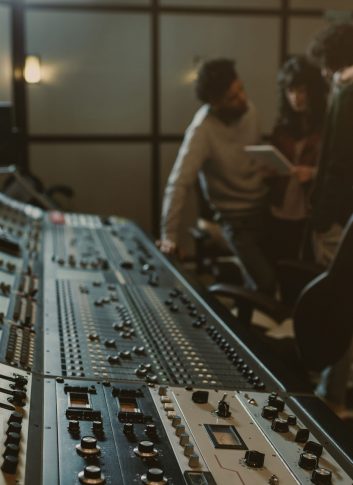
(32,70)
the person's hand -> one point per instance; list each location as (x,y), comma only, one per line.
(167,246)
(303,173)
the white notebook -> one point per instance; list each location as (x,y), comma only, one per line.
(271,156)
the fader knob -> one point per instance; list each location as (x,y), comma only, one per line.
(189,449)
(184,439)
(176,421)
(18,398)
(308,461)
(13,439)
(280,425)
(254,458)
(314,448)
(10,464)
(269,412)
(179,429)
(91,475)
(14,428)
(321,476)
(12,450)
(154,475)
(15,418)
(194,460)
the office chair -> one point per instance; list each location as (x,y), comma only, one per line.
(323,313)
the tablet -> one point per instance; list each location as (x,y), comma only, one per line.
(271,156)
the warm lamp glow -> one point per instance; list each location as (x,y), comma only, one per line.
(32,71)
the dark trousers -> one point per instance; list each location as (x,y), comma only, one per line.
(247,238)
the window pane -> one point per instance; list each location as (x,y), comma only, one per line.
(187,40)
(96,72)
(105,178)
(223,3)
(5,54)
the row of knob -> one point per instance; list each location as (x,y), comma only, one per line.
(12,442)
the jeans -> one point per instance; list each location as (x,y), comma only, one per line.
(247,238)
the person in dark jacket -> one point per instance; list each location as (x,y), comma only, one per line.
(333,194)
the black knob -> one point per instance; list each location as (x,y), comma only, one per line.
(88,443)
(74,426)
(302,435)
(276,402)
(292,420)
(313,447)
(321,476)
(91,475)
(92,471)
(308,461)
(254,459)
(20,382)
(145,447)
(13,438)
(155,475)
(269,412)
(18,398)
(97,427)
(109,343)
(15,418)
(280,425)
(151,430)
(113,359)
(128,428)
(14,427)
(12,450)
(10,464)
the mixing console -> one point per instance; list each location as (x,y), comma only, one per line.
(115,370)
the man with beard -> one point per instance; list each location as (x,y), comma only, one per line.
(213,148)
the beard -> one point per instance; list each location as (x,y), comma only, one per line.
(229,115)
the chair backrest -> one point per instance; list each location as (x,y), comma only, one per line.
(323,315)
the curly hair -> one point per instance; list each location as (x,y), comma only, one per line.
(214,78)
(298,71)
(333,47)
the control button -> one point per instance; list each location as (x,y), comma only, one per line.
(168,406)
(280,425)
(308,461)
(269,412)
(194,460)
(200,397)
(151,430)
(74,426)
(254,458)
(14,428)
(179,429)
(154,475)
(162,390)
(110,343)
(276,401)
(176,421)
(12,450)
(97,427)
(128,429)
(145,449)
(88,446)
(183,439)
(189,449)
(223,408)
(10,464)
(20,382)
(18,398)
(302,435)
(321,476)
(15,418)
(13,439)
(314,448)
(113,359)
(91,475)
(165,399)
(292,420)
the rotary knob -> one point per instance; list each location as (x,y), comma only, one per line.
(184,439)
(254,458)
(10,464)
(88,446)
(154,475)
(321,476)
(110,343)
(189,449)
(74,426)
(314,448)
(308,461)
(176,421)
(269,412)
(14,427)
(91,475)
(97,427)
(128,429)
(13,439)
(15,418)
(194,460)
(20,382)
(151,430)
(18,398)
(12,450)
(145,449)
(277,402)
(179,429)
(280,425)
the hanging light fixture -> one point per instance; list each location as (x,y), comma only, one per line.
(32,70)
